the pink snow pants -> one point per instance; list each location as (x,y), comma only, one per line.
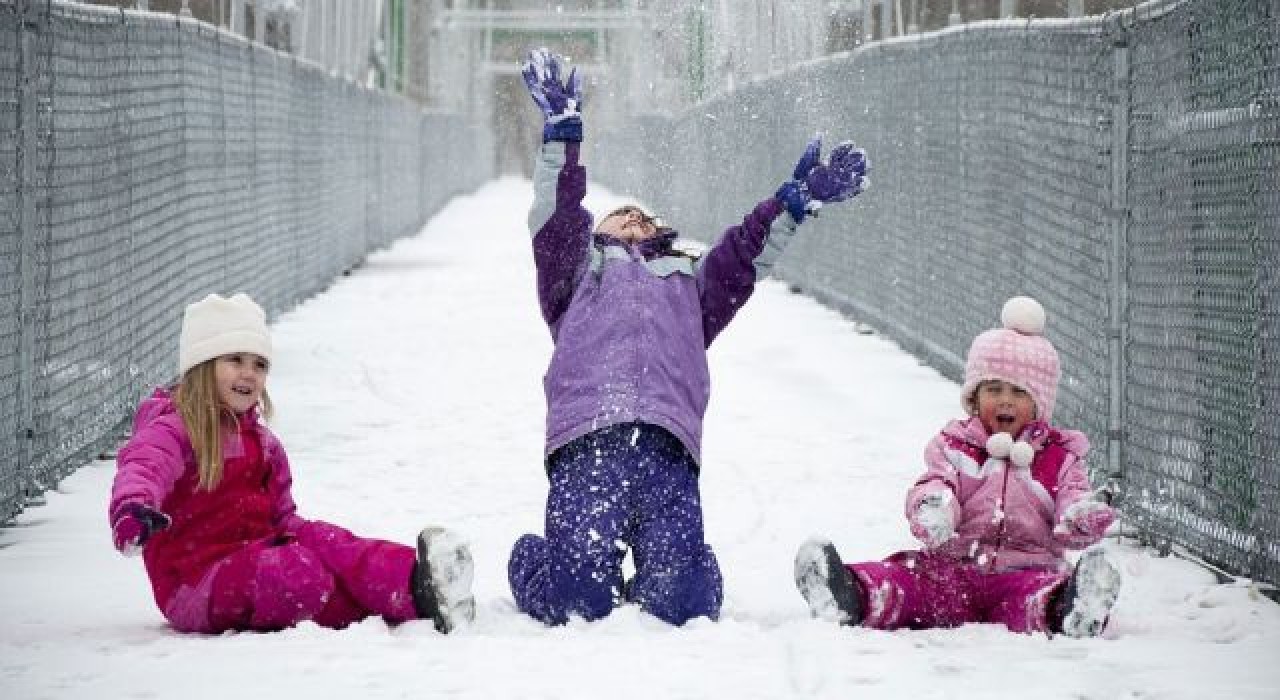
(326,575)
(919,590)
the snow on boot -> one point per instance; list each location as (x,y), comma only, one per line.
(1089,595)
(827,586)
(442,579)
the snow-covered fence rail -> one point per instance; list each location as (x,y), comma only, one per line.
(147,160)
(1123,169)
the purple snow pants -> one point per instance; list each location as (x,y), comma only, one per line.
(326,575)
(920,590)
(629,485)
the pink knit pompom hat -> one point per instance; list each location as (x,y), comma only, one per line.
(1018,353)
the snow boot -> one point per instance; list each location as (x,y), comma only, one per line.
(1085,600)
(441,581)
(831,591)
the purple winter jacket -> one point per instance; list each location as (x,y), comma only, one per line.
(632,322)
(1005,515)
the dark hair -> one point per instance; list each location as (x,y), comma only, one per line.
(655,221)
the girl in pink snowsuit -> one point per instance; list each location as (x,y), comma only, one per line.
(203,489)
(1003,495)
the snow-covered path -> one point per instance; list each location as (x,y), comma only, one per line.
(410,393)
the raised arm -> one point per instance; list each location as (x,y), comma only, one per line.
(560,226)
(727,273)
(747,252)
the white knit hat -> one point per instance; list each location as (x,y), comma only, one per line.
(217,326)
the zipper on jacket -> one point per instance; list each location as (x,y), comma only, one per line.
(1004,488)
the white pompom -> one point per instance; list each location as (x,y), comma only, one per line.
(998,445)
(1023,314)
(1022,453)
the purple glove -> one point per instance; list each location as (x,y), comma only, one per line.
(1083,523)
(133,524)
(814,183)
(559,101)
(933,522)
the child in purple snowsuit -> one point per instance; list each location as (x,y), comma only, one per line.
(203,489)
(1003,495)
(628,383)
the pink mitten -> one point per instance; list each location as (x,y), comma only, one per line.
(1083,523)
(933,521)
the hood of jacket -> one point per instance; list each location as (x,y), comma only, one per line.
(653,247)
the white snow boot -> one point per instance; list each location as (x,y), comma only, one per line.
(1089,595)
(831,591)
(442,578)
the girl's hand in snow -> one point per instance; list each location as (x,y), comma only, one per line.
(133,524)
(933,522)
(1084,522)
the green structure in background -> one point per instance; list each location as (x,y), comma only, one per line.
(393,76)
(697,64)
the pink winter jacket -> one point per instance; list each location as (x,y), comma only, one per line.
(251,507)
(1004,515)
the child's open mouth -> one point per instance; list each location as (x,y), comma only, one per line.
(1005,420)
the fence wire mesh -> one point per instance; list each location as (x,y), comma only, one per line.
(149,160)
(1202,307)
(1122,169)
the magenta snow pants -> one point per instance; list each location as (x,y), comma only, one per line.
(326,575)
(919,590)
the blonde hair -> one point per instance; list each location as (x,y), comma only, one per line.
(205,418)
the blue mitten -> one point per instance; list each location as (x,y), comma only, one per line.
(558,100)
(814,183)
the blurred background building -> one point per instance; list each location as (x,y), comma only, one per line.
(638,55)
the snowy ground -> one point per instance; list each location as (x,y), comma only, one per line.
(410,393)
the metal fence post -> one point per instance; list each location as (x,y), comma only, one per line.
(238,22)
(1117,331)
(32,24)
(1264,111)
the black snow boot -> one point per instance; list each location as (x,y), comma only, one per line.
(1081,606)
(831,591)
(441,580)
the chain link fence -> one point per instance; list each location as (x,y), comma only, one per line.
(148,160)
(1121,168)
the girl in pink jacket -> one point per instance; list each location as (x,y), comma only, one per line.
(203,490)
(1003,495)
